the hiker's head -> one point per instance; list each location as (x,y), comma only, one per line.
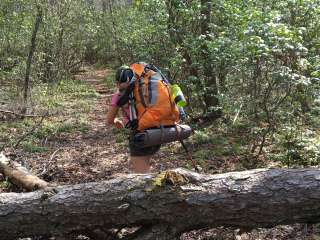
(123,75)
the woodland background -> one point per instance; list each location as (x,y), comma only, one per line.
(250,71)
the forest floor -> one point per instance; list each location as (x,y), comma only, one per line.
(83,149)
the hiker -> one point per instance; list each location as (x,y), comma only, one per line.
(149,109)
(139,156)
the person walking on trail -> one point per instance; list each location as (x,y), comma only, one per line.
(151,107)
(139,156)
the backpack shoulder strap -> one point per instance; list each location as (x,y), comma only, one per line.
(140,85)
(139,70)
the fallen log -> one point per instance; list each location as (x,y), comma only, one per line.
(20,176)
(162,206)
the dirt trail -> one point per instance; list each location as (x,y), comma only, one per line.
(77,157)
(112,156)
(102,152)
(96,154)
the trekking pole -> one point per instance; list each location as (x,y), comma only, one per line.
(189,156)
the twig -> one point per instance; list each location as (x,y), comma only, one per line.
(54,154)
(49,162)
(20,115)
(237,114)
(29,132)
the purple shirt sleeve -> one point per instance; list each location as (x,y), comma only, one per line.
(125,108)
(114,99)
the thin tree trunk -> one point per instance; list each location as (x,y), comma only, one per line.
(165,205)
(61,64)
(37,23)
(114,31)
(211,92)
(177,39)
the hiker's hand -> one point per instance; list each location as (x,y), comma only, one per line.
(118,123)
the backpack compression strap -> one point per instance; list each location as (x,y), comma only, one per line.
(138,69)
(140,84)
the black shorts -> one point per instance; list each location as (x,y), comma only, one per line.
(136,150)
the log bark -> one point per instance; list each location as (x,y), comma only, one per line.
(21,176)
(165,205)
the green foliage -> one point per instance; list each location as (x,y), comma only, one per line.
(257,61)
(109,81)
(67,97)
(201,137)
(50,129)
(67,94)
(299,148)
(33,148)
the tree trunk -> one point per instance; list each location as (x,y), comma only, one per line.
(29,59)
(177,38)
(61,53)
(210,97)
(115,38)
(165,205)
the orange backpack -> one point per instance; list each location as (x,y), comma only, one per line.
(153,103)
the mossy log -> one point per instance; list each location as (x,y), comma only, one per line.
(162,206)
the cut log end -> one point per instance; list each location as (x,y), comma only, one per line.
(20,176)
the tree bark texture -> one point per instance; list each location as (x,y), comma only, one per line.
(29,59)
(210,97)
(167,204)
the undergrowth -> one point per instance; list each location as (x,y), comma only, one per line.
(226,147)
(58,102)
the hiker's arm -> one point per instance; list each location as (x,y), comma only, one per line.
(112,117)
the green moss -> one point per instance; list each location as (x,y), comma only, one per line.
(5,185)
(156,182)
(159,180)
(167,178)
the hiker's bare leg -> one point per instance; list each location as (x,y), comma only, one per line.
(140,164)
